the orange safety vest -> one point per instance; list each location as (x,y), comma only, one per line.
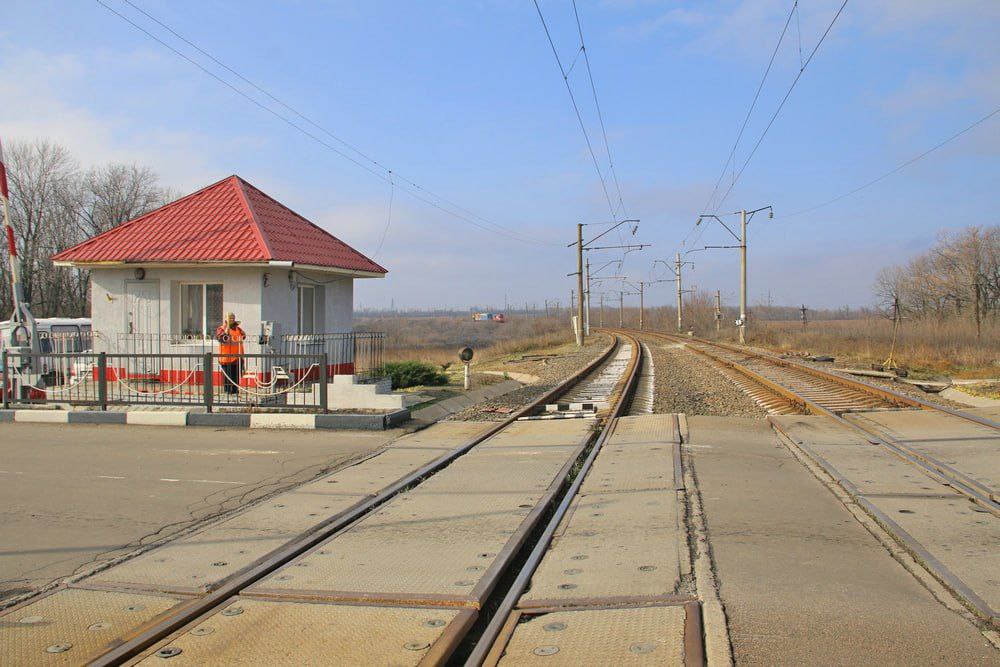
(230,343)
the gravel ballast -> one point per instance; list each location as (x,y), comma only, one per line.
(550,372)
(690,384)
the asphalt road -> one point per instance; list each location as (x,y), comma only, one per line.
(74,494)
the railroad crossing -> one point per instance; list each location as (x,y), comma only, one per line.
(853,525)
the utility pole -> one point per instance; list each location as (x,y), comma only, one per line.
(642,308)
(680,292)
(602,310)
(803,316)
(579,284)
(745,217)
(582,321)
(586,323)
(718,310)
(743,276)
(621,310)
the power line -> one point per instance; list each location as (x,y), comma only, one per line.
(898,168)
(388,220)
(576,108)
(781,106)
(600,116)
(753,105)
(469,217)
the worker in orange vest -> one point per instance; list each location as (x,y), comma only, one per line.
(231,337)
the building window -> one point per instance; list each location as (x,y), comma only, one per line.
(307,309)
(201,309)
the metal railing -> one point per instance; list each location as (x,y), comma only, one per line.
(272,380)
(358,353)
(126,343)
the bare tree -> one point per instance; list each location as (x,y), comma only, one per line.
(117,193)
(54,206)
(43,181)
(958,277)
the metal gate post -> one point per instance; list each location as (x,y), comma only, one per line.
(6,379)
(102,379)
(208,378)
(323,379)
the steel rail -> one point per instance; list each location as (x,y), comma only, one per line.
(493,630)
(203,606)
(960,482)
(851,383)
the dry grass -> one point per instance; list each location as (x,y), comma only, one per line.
(438,339)
(926,347)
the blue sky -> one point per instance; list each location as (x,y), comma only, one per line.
(464,98)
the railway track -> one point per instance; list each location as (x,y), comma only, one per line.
(403,555)
(864,433)
(790,387)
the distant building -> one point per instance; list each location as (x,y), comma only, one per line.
(173,273)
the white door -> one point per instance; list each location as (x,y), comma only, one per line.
(142,321)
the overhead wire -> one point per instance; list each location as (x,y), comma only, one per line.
(777,111)
(469,217)
(576,109)
(388,220)
(774,116)
(896,169)
(753,105)
(600,115)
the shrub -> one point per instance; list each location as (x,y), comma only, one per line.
(413,373)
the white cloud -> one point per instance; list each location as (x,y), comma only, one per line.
(45,97)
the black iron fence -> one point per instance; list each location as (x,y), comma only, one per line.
(208,379)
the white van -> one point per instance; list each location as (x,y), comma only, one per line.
(58,335)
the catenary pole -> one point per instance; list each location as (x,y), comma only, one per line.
(642,308)
(743,276)
(579,284)
(680,292)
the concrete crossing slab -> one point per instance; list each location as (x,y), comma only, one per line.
(423,548)
(71,626)
(373,474)
(504,469)
(645,429)
(442,435)
(802,581)
(200,562)
(958,534)
(657,635)
(259,632)
(558,433)
(632,467)
(970,448)
(614,545)
(849,457)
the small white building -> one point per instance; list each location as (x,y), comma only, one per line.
(171,275)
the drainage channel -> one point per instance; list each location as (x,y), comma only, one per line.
(151,612)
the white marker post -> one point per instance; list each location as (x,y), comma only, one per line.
(465,354)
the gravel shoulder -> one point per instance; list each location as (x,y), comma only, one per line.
(550,371)
(685,383)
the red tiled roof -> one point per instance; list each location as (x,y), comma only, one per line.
(230,221)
